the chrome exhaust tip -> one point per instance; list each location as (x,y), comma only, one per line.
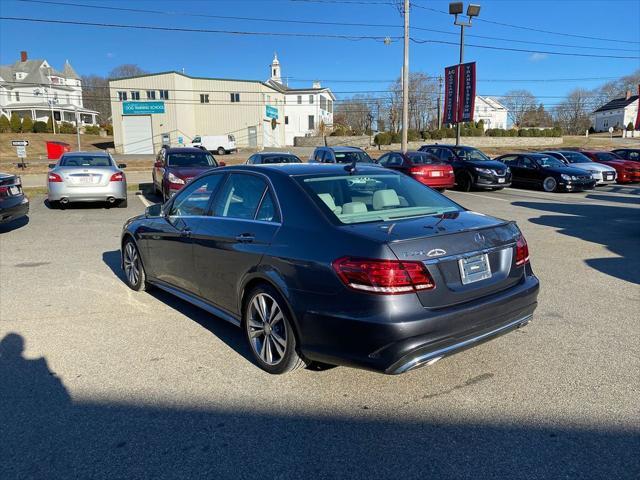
(111,200)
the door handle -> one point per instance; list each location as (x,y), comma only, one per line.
(245,237)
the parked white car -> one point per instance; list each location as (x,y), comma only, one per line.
(220,144)
(602,174)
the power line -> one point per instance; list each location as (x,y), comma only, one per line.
(311,22)
(532,29)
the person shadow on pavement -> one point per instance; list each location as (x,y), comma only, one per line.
(34,404)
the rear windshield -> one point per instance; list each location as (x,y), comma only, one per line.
(470,154)
(576,157)
(191,159)
(374,198)
(85,161)
(280,159)
(349,157)
(423,158)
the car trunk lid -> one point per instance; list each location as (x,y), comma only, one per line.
(86,176)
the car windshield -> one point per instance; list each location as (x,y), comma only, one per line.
(423,158)
(376,197)
(548,161)
(349,157)
(470,154)
(280,159)
(191,159)
(85,161)
(576,157)
(606,156)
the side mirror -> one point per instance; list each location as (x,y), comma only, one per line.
(157,164)
(153,210)
(122,165)
(222,164)
(52,165)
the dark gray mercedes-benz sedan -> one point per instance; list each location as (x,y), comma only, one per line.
(339,264)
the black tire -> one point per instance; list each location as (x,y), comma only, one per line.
(221,151)
(465,182)
(53,204)
(550,184)
(123,203)
(134,282)
(273,337)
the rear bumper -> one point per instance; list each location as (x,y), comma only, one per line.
(13,207)
(59,190)
(407,335)
(437,182)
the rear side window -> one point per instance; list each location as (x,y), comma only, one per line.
(267,211)
(240,196)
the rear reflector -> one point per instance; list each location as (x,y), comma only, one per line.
(522,251)
(54,178)
(386,277)
(117,177)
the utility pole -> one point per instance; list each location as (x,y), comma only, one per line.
(405,80)
(77,127)
(439,102)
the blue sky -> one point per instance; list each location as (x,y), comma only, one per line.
(98,50)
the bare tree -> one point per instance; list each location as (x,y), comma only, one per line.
(572,115)
(126,70)
(615,89)
(537,117)
(356,113)
(422,94)
(95,96)
(518,102)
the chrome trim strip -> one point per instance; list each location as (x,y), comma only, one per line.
(418,361)
(197,302)
(458,256)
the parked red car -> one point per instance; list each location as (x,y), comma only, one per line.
(424,167)
(628,171)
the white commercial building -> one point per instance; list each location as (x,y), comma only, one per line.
(491,112)
(617,113)
(173,108)
(32,88)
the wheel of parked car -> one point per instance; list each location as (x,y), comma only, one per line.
(133,269)
(269,331)
(465,182)
(221,151)
(549,184)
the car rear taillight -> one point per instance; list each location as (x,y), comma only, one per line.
(4,191)
(387,277)
(54,178)
(522,251)
(117,177)
(417,171)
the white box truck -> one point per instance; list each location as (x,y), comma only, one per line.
(220,144)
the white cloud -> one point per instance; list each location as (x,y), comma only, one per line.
(537,57)
(110,55)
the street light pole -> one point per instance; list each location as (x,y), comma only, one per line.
(405,80)
(53,118)
(460,63)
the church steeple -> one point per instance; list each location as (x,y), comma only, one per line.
(275,69)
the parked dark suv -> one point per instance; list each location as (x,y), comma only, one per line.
(339,155)
(472,168)
(176,166)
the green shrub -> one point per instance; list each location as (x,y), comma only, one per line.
(5,126)
(50,125)
(436,135)
(382,138)
(511,133)
(108,128)
(66,127)
(39,127)
(92,130)
(413,135)
(15,123)
(396,137)
(426,135)
(557,131)
(630,126)
(27,124)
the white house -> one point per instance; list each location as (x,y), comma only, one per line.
(492,112)
(35,89)
(305,109)
(617,113)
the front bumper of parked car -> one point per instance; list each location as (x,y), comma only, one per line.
(576,185)
(485,180)
(405,335)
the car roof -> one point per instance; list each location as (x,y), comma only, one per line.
(77,154)
(276,153)
(344,149)
(294,169)
(182,149)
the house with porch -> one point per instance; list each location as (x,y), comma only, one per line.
(491,112)
(33,88)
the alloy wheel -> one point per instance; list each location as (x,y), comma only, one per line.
(267,329)
(549,184)
(131,262)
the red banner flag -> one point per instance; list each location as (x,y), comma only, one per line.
(467,93)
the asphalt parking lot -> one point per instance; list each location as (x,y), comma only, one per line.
(97,381)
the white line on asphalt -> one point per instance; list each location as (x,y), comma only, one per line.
(144,201)
(482,196)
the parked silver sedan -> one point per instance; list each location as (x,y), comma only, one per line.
(87,177)
(602,174)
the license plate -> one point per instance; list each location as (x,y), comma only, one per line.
(501,180)
(85,179)
(475,268)
(436,174)
(14,190)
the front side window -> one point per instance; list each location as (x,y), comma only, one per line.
(193,200)
(470,154)
(240,197)
(377,197)
(191,159)
(548,161)
(606,156)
